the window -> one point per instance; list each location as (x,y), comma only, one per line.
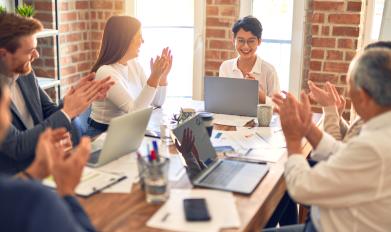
(281,47)
(161,27)
(377,19)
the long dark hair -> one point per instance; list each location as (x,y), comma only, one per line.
(117,36)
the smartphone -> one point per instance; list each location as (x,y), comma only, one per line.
(196,209)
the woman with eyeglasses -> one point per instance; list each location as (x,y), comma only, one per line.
(247,37)
(132,90)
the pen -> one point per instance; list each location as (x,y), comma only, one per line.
(155,148)
(149,153)
(248,152)
(164,218)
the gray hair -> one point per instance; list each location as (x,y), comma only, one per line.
(372,72)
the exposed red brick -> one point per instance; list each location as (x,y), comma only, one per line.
(215,33)
(325,30)
(81,5)
(344,18)
(346,43)
(212,10)
(328,6)
(220,44)
(346,31)
(316,65)
(334,55)
(317,54)
(323,77)
(354,6)
(317,18)
(323,42)
(336,67)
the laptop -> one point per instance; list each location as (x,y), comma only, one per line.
(124,135)
(236,96)
(223,174)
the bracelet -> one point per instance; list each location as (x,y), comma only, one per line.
(28,175)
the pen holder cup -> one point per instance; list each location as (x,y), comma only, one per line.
(154,179)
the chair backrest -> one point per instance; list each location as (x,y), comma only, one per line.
(81,121)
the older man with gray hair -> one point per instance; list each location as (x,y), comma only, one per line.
(350,191)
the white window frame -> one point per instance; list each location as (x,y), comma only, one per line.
(199,43)
(297,44)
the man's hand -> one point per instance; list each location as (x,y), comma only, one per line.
(89,79)
(167,54)
(48,143)
(327,97)
(67,169)
(78,99)
(296,119)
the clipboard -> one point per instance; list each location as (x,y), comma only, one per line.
(92,181)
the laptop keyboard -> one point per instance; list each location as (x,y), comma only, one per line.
(223,173)
(94,157)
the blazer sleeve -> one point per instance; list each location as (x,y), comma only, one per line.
(20,144)
(52,213)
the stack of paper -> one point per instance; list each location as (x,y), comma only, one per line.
(221,206)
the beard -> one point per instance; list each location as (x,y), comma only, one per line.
(23,68)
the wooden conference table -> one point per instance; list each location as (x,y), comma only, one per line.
(130,212)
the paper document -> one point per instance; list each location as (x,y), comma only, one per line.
(125,165)
(240,141)
(221,206)
(176,169)
(91,181)
(231,120)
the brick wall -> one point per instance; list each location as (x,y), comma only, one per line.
(81,27)
(333,35)
(220,16)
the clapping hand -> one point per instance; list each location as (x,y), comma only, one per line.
(168,56)
(80,97)
(296,119)
(327,97)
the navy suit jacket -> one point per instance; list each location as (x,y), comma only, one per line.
(18,148)
(29,206)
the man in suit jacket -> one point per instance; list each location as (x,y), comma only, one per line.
(28,206)
(32,109)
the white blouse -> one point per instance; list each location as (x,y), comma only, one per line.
(264,72)
(130,92)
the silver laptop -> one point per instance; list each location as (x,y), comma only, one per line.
(223,174)
(225,95)
(124,135)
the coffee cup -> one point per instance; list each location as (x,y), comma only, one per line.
(264,114)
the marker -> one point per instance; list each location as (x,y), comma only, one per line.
(149,153)
(156,149)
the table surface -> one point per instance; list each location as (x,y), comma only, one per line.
(130,212)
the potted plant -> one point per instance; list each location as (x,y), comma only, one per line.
(2,9)
(25,10)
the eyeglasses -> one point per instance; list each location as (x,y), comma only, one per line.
(252,42)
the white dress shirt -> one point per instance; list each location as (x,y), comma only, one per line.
(130,91)
(264,72)
(20,104)
(351,191)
